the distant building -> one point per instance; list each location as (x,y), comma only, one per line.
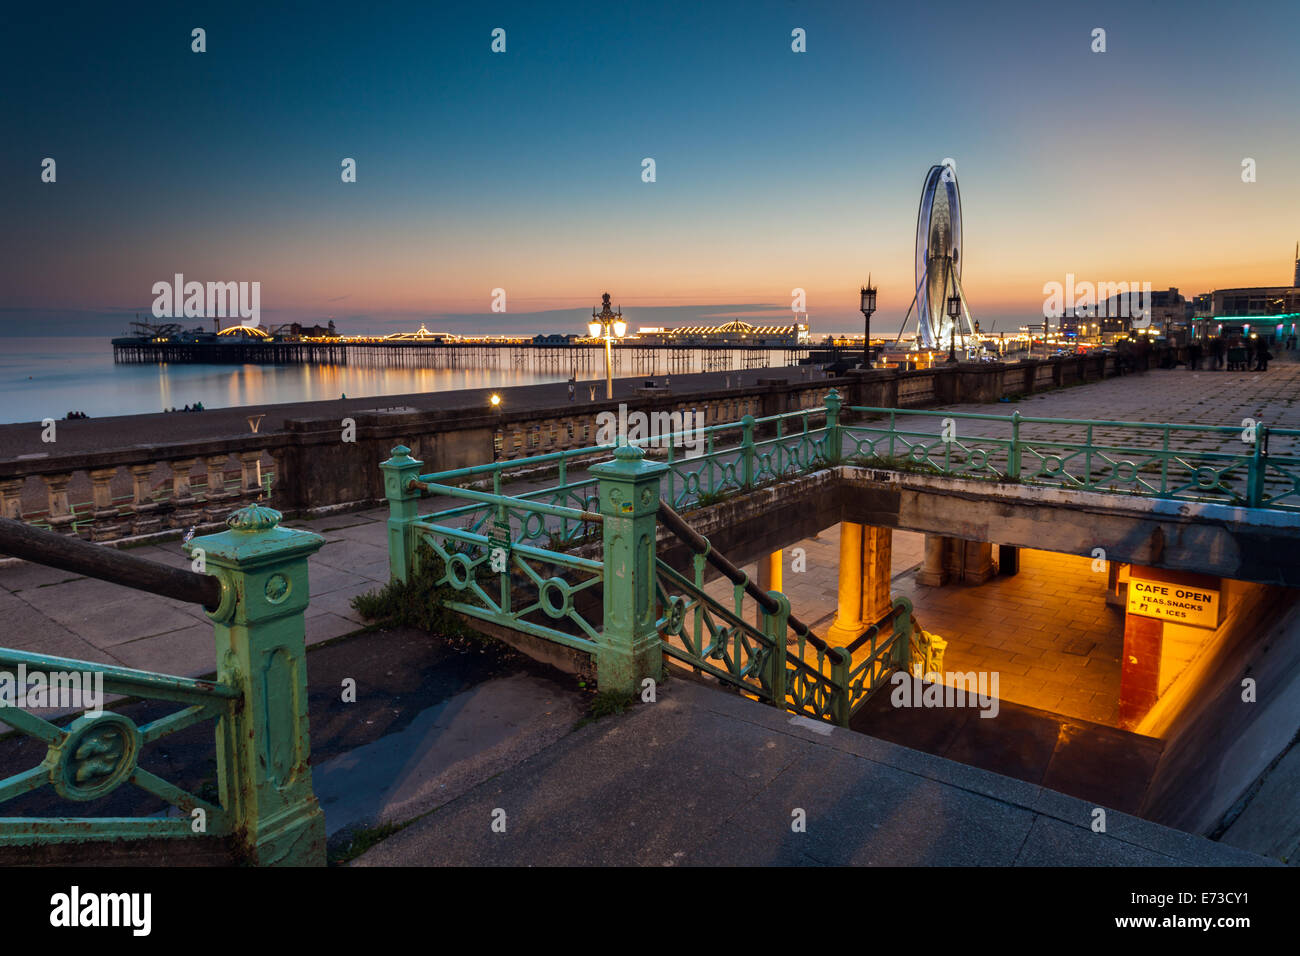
(313,331)
(735,332)
(1263,311)
(554,338)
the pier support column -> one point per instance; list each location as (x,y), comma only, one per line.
(770,578)
(934,570)
(848,614)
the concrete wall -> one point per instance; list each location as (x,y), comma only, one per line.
(1216,744)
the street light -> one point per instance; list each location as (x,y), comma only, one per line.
(954,310)
(868,306)
(610,324)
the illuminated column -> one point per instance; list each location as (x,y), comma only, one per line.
(769,578)
(848,615)
(877,567)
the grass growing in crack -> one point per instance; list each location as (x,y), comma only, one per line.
(362,840)
(420,602)
(606,703)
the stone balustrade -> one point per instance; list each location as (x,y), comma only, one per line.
(148,489)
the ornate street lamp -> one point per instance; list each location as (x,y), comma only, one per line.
(954,310)
(868,306)
(609,324)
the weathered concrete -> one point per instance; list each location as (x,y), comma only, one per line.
(705,778)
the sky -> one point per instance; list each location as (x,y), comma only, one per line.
(523,170)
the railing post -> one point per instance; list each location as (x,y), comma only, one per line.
(747,450)
(834,440)
(841,664)
(776,626)
(1013,459)
(402,510)
(264,748)
(1258,468)
(629,648)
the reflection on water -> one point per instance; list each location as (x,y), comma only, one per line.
(49,377)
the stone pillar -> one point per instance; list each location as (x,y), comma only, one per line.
(263,748)
(979,561)
(56,488)
(770,578)
(848,614)
(251,467)
(629,649)
(877,568)
(11,498)
(934,569)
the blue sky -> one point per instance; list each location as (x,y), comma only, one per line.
(521,170)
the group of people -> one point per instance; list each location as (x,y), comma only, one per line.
(196,407)
(71,415)
(1237,353)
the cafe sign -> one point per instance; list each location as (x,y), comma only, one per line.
(1193,605)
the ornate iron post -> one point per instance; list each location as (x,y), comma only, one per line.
(263,750)
(629,500)
(834,441)
(776,626)
(747,451)
(402,510)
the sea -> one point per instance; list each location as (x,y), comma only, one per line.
(48,377)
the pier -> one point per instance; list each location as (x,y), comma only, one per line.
(637,357)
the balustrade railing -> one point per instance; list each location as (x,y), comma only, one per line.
(254,588)
(1224,464)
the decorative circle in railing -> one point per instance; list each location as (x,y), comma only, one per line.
(97,756)
(675,615)
(460,571)
(546,596)
(1206,477)
(1125,470)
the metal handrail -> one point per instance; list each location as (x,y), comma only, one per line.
(700,545)
(106,564)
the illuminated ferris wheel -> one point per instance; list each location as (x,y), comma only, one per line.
(938,264)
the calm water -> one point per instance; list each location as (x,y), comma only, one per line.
(49,377)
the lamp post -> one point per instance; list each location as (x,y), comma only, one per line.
(868,306)
(610,324)
(954,310)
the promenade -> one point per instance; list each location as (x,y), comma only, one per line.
(110,432)
(57,613)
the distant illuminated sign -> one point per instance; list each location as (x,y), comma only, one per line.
(1195,606)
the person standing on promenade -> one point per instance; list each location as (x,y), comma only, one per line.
(572,388)
(1216,352)
(1194,356)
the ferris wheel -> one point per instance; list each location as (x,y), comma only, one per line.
(938,263)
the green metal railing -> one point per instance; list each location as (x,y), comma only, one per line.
(1220,464)
(649,609)
(646,609)
(254,588)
